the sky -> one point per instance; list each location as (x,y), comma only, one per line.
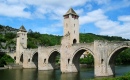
(102,17)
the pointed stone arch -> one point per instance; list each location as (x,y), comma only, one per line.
(115,52)
(52,57)
(35,59)
(113,55)
(77,54)
(21,59)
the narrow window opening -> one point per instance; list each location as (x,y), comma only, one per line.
(28,60)
(15,58)
(68,61)
(102,61)
(44,60)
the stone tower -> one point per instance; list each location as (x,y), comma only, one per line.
(21,43)
(71,36)
(71,26)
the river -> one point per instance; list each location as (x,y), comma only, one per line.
(34,74)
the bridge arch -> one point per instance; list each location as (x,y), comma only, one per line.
(54,54)
(113,55)
(115,52)
(35,59)
(77,54)
(21,58)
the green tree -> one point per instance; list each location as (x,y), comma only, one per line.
(87,60)
(9,36)
(5,59)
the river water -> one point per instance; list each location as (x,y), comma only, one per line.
(34,74)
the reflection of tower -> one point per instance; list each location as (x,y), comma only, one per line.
(71,26)
(21,42)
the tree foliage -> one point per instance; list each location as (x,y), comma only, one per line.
(5,59)
(36,39)
(89,37)
(123,57)
(10,36)
(87,60)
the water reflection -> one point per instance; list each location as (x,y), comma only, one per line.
(25,74)
(46,75)
(70,76)
(34,74)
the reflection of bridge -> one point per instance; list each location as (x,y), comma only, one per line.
(70,50)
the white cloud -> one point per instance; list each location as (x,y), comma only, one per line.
(12,1)
(102,1)
(114,28)
(43,7)
(13,11)
(117,5)
(92,17)
(79,11)
(107,26)
(119,30)
(125,18)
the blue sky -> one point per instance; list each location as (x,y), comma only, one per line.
(103,17)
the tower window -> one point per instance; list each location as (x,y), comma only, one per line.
(74,25)
(28,60)
(44,60)
(66,25)
(68,61)
(74,31)
(66,16)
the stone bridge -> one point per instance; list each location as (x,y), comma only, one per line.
(70,50)
(30,58)
(47,56)
(104,53)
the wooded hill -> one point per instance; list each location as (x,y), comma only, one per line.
(35,38)
(7,29)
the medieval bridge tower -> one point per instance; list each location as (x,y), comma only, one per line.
(21,44)
(70,37)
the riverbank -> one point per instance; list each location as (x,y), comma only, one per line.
(2,68)
(86,66)
(11,66)
(124,77)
